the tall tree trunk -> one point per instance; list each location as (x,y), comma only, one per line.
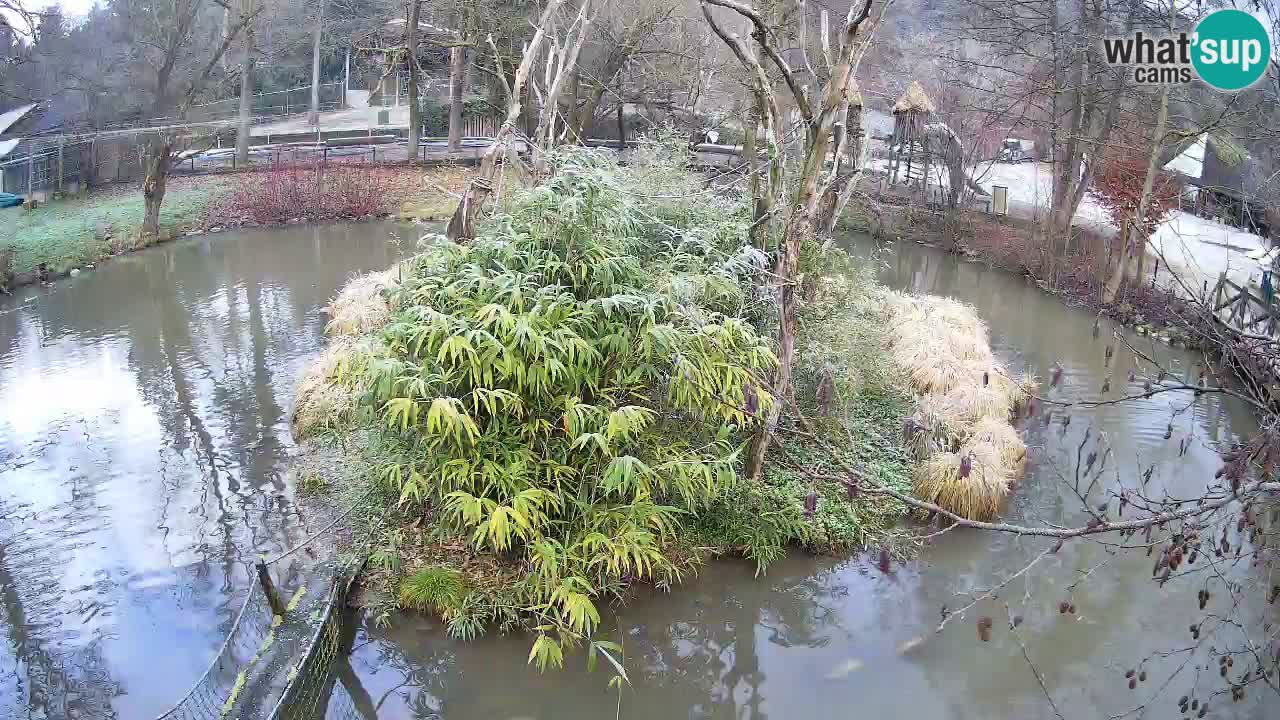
(245,120)
(800,225)
(457,76)
(158,153)
(462,225)
(759,202)
(1136,244)
(584,116)
(622,121)
(313,118)
(411,51)
(566,63)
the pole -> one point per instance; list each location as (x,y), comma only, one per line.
(314,117)
(346,77)
(269,589)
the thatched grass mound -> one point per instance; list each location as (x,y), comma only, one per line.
(914,99)
(970,452)
(977,495)
(326,394)
(361,307)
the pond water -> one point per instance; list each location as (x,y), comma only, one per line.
(144,448)
(144,444)
(822,637)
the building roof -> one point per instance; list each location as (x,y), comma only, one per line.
(11,117)
(1190,160)
(914,100)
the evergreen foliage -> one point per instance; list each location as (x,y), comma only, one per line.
(568,390)
(558,409)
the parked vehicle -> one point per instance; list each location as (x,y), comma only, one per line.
(1014,150)
(9,200)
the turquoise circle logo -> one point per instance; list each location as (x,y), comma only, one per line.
(1231,49)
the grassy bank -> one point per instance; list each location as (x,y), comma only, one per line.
(76,231)
(549,417)
(79,230)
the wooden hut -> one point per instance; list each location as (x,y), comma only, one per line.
(908,159)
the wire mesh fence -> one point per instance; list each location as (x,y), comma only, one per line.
(273,104)
(216,694)
(278,659)
(313,679)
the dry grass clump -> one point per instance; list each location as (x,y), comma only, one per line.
(326,397)
(1001,436)
(361,306)
(966,399)
(977,496)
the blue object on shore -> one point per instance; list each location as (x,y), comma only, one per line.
(9,200)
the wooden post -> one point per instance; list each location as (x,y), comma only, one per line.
(269,589)
(61,151)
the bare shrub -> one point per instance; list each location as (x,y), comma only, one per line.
(313,191)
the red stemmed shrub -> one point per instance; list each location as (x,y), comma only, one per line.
(313,191)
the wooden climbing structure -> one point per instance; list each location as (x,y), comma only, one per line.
(909,152)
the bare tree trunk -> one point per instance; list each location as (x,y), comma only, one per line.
(153,185)
(313,118)
(622,122)
(1136,244)
(759,201)
(411,53)
(245,120)
(457,68)
(566,63)
(583,117)
(462,224)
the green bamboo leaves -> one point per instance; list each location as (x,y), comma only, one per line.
(557,404)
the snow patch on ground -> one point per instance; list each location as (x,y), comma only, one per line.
(1198,250)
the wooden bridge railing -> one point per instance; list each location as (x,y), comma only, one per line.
(1240,308)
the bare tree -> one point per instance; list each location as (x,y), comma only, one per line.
(175,47)
(247,63)
(462,223)
(818,113)
(412,16)
(313,118)
(561,64)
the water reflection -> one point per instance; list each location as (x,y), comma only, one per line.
(817,638)
(143,447)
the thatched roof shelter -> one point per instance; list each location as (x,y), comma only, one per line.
(914,101)
(855,93)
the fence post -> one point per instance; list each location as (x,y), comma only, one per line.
(61,165)
(31,172)
(269,589)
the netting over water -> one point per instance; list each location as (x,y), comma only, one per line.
(274,665)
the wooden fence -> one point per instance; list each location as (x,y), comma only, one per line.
(1252,314)
(1240,308)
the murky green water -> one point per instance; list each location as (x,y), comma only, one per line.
(144,446)
(144,441)
(820,637)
